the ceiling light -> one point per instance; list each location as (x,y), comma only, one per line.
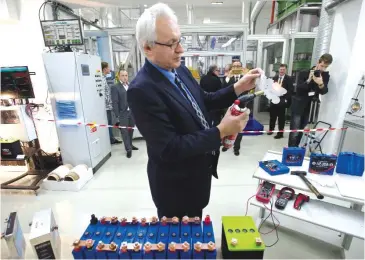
(145,5)
(217,3)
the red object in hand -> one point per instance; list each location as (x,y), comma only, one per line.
(228,141)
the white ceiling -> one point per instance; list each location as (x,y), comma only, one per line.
(137,3)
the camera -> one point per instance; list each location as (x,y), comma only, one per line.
(317,73)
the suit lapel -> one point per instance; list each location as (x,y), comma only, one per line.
(171,89)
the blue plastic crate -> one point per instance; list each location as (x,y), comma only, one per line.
(293,156)
(350,163)
(274,167)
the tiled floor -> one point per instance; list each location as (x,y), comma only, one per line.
(121,188)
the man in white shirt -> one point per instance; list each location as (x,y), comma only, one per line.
(122,111)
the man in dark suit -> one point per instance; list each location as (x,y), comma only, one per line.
(211,83)
(277,111)
(122,111)
(314,83)
(171,112)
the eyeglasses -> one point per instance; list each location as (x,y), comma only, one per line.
(174,45)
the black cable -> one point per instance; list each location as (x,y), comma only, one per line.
(275,226)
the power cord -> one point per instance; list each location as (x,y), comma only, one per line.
(275,226)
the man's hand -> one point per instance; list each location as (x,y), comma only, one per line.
(231,125)
(247,82)
(319,81)
(117,124)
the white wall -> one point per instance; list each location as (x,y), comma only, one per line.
(22,44)
(347,43)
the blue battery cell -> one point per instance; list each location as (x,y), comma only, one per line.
(185,233)
(161,254)
(131,232)
(89,253)
(163,233)
(196,233)
(77,253)
(152,233)
(173,254)
(113,254)
(141,233)
(136,255)
(198,254)
(293,156)
(100,254)
(174,234)
(124,255)
(186,254)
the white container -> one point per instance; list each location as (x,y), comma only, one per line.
(63,185)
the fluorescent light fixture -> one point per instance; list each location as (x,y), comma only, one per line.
(230,41)
(217,3)
(145,5)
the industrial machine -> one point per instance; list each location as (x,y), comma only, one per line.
(78,101)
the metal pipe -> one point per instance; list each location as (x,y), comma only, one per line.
(272,12)
(333,4)
(324,33)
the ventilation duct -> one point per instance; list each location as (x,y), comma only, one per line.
(325,28)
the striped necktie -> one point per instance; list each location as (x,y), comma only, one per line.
(186,93)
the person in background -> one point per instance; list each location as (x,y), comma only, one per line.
(278,111)
(122,111)
(211,83)
(232,78)
(227,70)
(171,112)
(315,83)
(108,101)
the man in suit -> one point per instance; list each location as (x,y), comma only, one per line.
(277,111)
(314,83)
(122,111)
(172,113)
(211,83)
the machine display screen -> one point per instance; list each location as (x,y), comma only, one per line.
(16,83)
(62,32)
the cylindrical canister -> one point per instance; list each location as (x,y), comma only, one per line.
(59,173)
(76,172)
(236,110)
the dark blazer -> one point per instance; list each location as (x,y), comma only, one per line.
(210,83)
(120,103)
(231,81)
(287,83)
(180,160)
(301,101)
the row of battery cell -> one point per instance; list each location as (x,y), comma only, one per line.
(152,233)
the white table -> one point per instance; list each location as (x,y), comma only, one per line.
(349,221)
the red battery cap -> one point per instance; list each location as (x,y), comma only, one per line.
(237,102)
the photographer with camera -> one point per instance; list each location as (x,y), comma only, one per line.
(315,83)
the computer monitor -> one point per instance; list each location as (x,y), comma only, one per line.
(16,83)
(62,32)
